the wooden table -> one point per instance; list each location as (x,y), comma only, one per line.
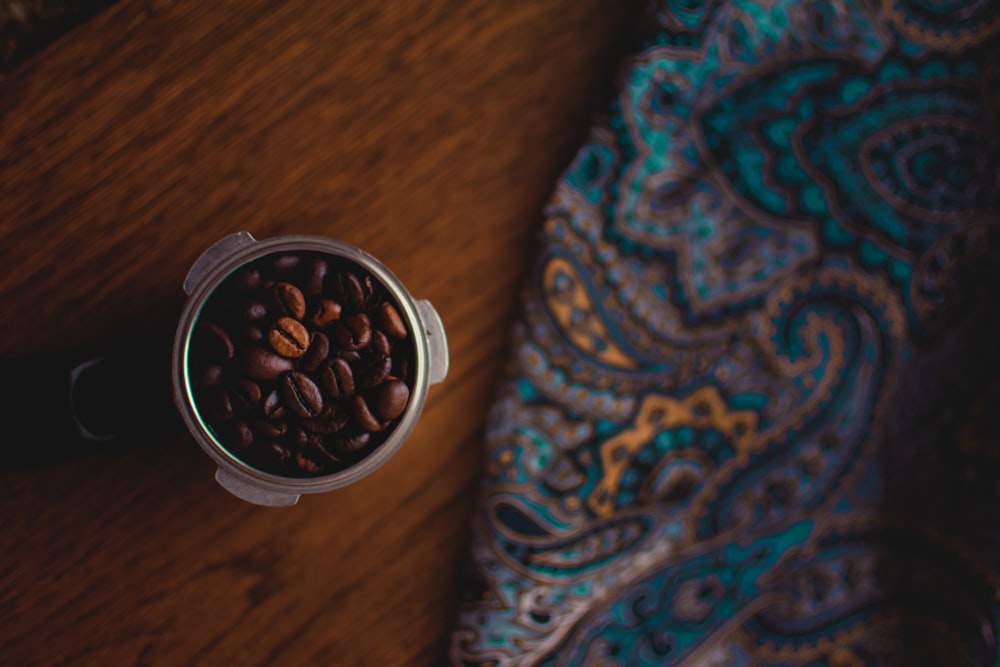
(428,132)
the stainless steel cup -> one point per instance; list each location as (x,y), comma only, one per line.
(241,479)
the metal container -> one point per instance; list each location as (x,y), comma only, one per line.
(241,479)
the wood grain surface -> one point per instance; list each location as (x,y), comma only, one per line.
(428,132)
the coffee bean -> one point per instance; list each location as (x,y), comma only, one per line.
(401,364)
(312,448)
(370,297)
(213,343)
(315,275)
(380,343)
(246,394)
(221,406)
(260,364)
(374,371)
(391,399)
(388,318)
(303,437)
(318,451)
(311,444)
(208,378)
(246,281)
(254,310)
(286,262)
(333,419)
(301,394)
(274,407)
(242,436)
(306,464)
(338,379)
(348,290)
(288,338)
(363,414)
(279,452)
(326,312)
(319,350)
(353,332)
(351,444)
(253,333)
(350,356)
(288,300)
(271,430)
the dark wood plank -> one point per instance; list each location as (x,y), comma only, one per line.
(427,132)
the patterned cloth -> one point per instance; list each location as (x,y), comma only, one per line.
(750,413)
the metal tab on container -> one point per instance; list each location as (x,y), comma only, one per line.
(216,253)
(437,341)
(253,493)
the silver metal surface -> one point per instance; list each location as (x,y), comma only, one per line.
(217,253)
(436,339)
(251,492)
(260,487)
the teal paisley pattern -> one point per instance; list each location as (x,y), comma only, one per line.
(750,417)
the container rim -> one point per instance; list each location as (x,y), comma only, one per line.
(201,289)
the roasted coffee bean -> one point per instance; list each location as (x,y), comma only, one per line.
(350,356)
(315,275)
(287,300)
(209,377)
(370,297)
(391,399)
(318,451)
(380,343)
(279,452)
(270,430)
(286,262)
(400,363)
(303,437)
(213,343)
(388,318)
(319,350)
(246,281)
(301,394)
(288,338)
(350,444)
(306,464)
(348,290)
(338,379)
(356,292)
(353,332)
(312,448)
(274,407)
(253,333)
(254,310)
(326,312)
(245,394)
(374,371)
(221,406)
(311,444)
(242,436)
(333,419)
(260,364)
(363,415)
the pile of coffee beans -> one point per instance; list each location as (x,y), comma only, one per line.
(300,363)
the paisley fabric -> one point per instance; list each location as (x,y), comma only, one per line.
(750,416)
